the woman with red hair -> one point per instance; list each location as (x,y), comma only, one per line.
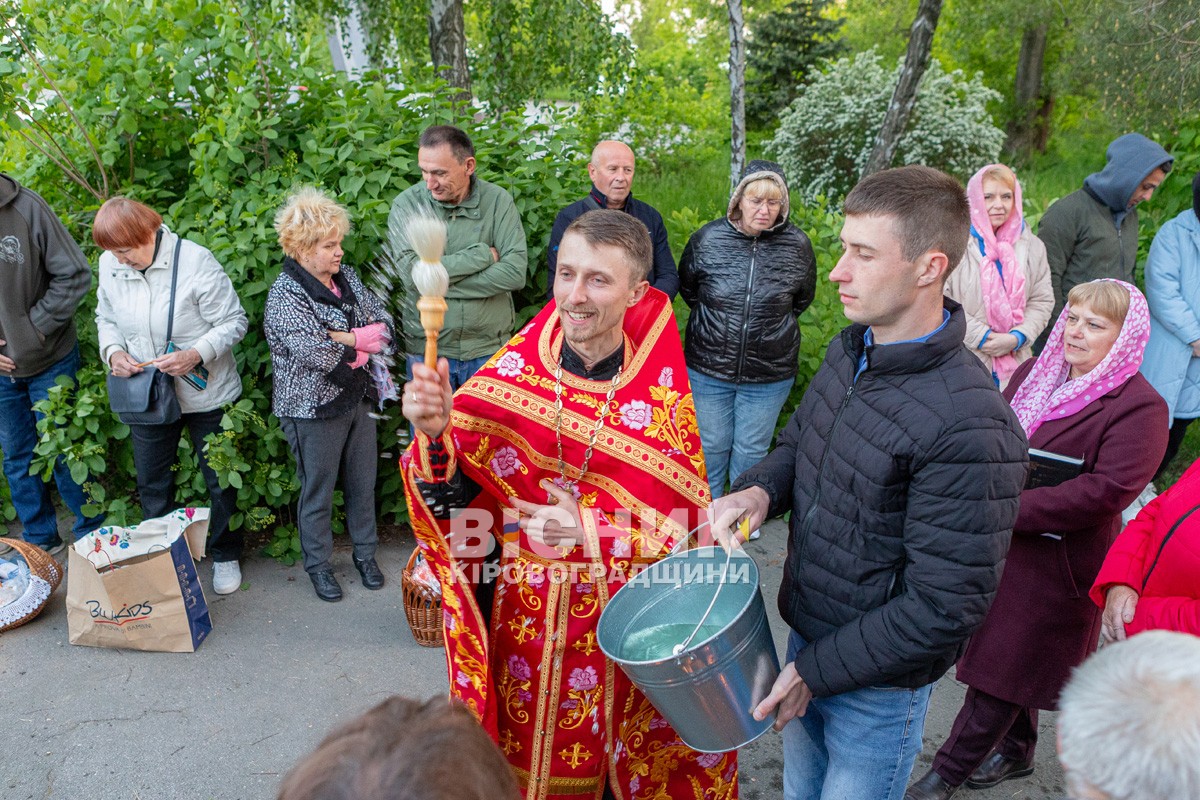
(144,263)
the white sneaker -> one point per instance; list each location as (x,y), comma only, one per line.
(754,534)
(227,577)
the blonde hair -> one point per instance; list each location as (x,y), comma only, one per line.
(1002,174)
(309,216)
(763,188)
(1107,298)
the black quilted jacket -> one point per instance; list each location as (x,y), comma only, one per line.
(903,486)
(745,294)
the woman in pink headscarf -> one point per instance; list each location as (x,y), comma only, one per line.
(1084,398)
(1003,280)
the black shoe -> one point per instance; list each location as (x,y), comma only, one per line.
(371,576)
(327,586)
(930,787)
(998,769)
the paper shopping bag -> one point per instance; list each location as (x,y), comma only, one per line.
(150,602)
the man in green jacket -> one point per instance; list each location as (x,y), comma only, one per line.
(1093,232)
(485,253)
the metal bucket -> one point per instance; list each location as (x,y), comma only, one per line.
(707,691)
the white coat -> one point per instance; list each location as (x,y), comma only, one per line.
(131,315)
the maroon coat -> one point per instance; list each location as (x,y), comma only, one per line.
(1042,623)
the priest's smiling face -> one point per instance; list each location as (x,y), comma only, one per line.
(593,286)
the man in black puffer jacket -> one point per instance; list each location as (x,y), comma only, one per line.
(903,470)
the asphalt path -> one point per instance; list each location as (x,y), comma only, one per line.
(280,669)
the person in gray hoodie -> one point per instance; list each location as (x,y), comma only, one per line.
(45,276)
(1092,233)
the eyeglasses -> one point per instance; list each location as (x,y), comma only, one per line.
(759,202)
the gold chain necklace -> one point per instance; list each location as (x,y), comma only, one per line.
(558,405)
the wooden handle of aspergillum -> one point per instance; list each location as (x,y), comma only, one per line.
(433,317)
(431,348)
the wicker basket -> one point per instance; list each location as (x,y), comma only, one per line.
(422,607)
(42,565)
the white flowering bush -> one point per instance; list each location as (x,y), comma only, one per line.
(826,134)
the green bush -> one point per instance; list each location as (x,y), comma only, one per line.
(826,135)
(824,318)
(214,123)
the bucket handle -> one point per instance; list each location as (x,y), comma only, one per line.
(679,648)
(682,545)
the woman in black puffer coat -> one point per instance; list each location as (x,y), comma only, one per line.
(747,278)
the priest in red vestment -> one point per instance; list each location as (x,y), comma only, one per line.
(568,463)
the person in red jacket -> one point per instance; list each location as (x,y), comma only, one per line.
(1151,576)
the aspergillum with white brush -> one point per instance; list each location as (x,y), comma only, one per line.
(427,237)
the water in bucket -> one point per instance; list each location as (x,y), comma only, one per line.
(659,642)
(707,691)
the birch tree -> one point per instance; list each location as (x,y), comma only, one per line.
(916,61)
(737,91)
(448,45)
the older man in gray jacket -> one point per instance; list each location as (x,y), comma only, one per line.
(44,275)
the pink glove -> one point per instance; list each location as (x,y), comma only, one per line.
(370,338)
(360,358)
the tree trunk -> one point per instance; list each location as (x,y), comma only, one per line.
(448,45)
(916,60)
(1028,129)
(737,91)
(347,39)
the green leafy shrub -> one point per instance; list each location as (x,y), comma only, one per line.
(78,427)
(826,134)
(214,123)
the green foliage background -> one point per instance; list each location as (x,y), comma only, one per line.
(214,122)
(212,112)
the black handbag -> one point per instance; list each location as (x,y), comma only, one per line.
(148,398)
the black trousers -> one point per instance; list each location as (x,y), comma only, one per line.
(985,723)
(156,451)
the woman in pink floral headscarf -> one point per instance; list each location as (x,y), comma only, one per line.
(1003,280)
(1082,397)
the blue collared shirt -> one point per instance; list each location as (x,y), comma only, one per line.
(869,341)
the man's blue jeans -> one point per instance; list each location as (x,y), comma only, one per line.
(860,745)
(18,435)
(737,421)
(460,370)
